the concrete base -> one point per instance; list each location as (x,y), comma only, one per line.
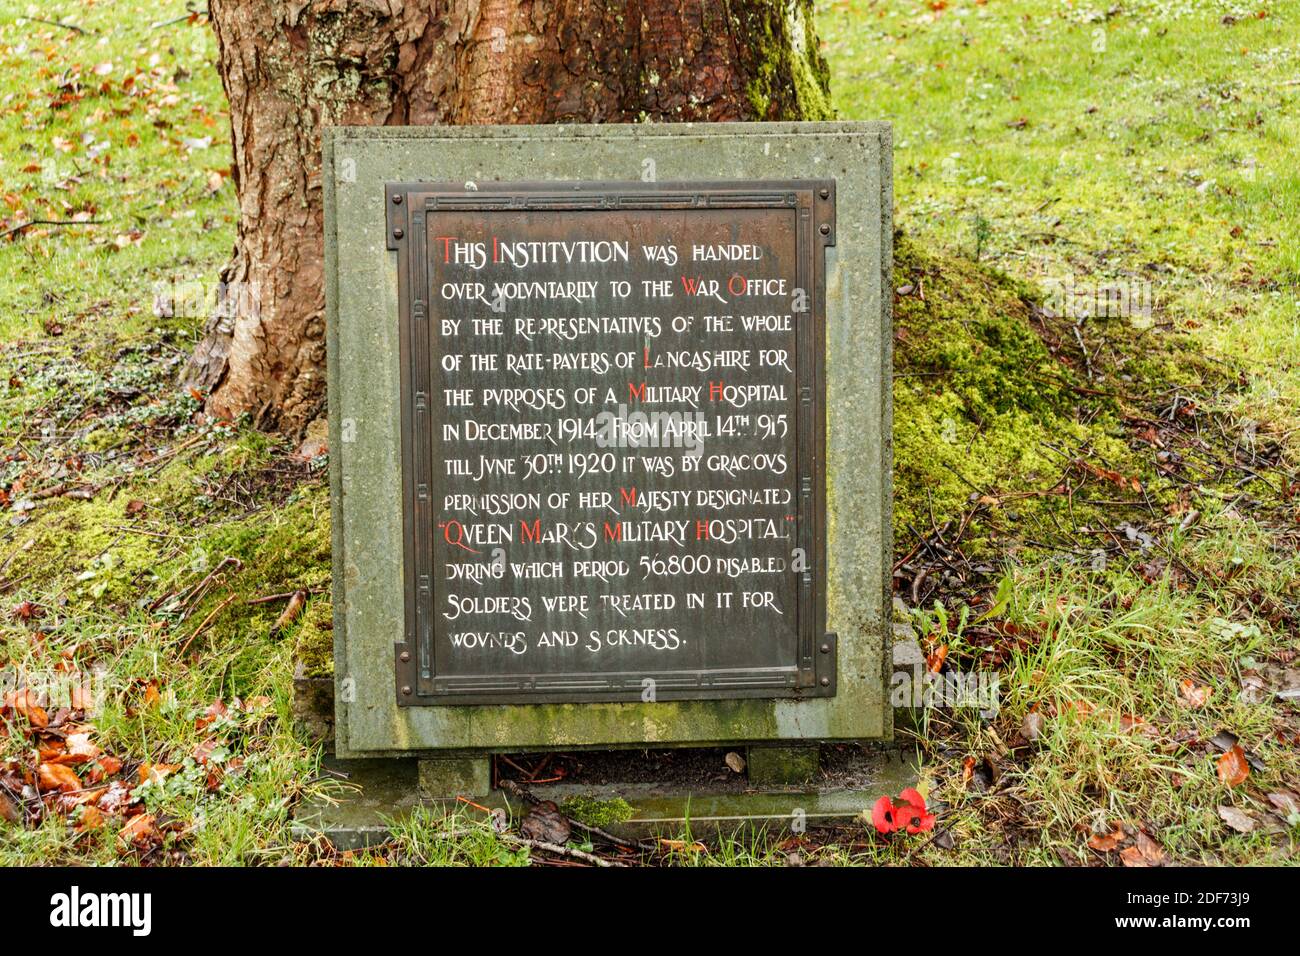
(372,794)
(772,766)
(446,778)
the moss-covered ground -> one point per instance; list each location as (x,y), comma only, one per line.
(1096,496)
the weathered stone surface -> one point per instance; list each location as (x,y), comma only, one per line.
(365,447)
(779,766)
(372,794)
(448,777)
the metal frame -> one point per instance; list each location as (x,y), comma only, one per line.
(813,673)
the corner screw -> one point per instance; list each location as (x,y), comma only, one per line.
(406,657)
(826,648)
(406,691)
(397,233)
(825,194)
(825,229)
(826,682)
(397,199)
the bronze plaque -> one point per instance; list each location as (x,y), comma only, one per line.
(613,440)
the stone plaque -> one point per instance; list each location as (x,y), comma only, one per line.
(610,434)
(613,440)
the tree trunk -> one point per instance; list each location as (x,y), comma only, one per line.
(290,67)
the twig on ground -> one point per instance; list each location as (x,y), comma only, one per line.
(568,851)
(284,595)
(24,226)
(205,12)
(203,625)
(56,23)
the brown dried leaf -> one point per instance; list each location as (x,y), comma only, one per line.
(55,776)
(140,832)
(102,769)
(10,812)
(1105,842)
(115,799)
(1033,725)
(545,823)
(1145,852)
(23,703)
(1193,695)
(1239,820)
(216,710)
(79,749)
(291,610)
(83,699)
(1232,767)
(1286,801)
(156,772)
(90,818)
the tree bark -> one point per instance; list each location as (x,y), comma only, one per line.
(289,68)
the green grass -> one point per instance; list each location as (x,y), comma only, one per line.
(1146,143)
(1149,146)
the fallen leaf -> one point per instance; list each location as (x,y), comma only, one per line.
(26,610)
(102,769)
(291,610)
(1193,695)
(1239,820)
(23,703)
(140,832)
(54,776)
(1105,842)
(79,749)
(216,710)
(215,776)
(546,824)
(156,772)
(1232,767)
(681,846)
(83,699)
(115,799)
(1131,723)
(151,695)
(204,750)
(1145,852)
(1286,801)
(90,817)
(1081,707)
(1033,724)
(10,812)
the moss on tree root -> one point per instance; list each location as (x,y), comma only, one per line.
(995,403)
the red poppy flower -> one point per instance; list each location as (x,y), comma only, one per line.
(914,815)
(909,814)
(883,816)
